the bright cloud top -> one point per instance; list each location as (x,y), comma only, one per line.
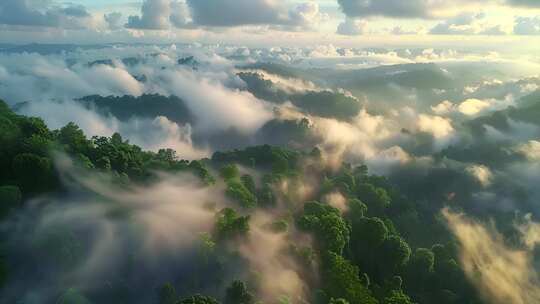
(309,20)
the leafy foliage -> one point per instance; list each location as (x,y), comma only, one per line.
(325,222)
(341,280)
(368,252)
(237,293)
(230,225)
(10,199)
(198,299)
(241,194)
(167,294)
(229,172)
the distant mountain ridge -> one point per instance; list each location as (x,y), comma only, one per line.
(145,106)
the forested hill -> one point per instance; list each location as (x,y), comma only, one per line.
(285,228)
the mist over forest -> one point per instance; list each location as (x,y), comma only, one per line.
(214,173)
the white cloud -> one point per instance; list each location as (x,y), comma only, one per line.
(155,15)
(443,108)
(236,12)
(288,84)
(307,15)
(481,173)
(427,9)
(524,3)
(45,77)
(166,14)
(502,274)
(352,27)
(461,25)
(279,274)
(439,127)
(180,14)
(37,14)
(114,20)
(471,107)
(336,200)
(468,24)
(162,221)
(531,150)
(390,8)
(388,159)
(527,26)
(399,30)
(216,107)
(494,31)
(150,134)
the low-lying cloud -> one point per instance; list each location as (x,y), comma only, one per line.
(502,274)
(100,229)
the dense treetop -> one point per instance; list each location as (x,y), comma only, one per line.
(379,249)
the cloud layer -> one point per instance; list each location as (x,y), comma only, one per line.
(502,274)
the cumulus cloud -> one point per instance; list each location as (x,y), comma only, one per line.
(388,159)
(352,27)
(527,26)
(161,15)
(531,150)
(472,106)
(155,15)
(467,24)
(461,25)
(398,30)
(502,274)
(32,13)
(391,8)
(180,14)
(428,9)
(307,15)
(236,12)
(165,14)
(114,20)
(530,231)
(439,127)
(230,13)
(443,108)
(481,173)
(525,3)
(495,30)
(418,8)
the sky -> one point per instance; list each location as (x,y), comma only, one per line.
(480,23)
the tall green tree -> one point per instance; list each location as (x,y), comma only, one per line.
(230,225)
(329,228)
(238,293)
(198,299)
(341,280)
(10,199)
(167,294)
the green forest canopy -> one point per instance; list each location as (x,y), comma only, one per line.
(378,251)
